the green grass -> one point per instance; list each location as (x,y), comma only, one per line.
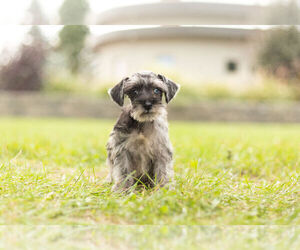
(52,173)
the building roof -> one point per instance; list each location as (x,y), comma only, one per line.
(193,12)
(173,32)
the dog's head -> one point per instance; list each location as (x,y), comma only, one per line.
(145,91)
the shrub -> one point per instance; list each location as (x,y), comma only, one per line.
(65,83)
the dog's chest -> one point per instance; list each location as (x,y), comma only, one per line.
(146,139)
(145,144)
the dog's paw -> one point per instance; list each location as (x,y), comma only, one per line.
(121,188)
(116,188)
(108,179)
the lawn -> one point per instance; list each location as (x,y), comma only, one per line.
(52,173)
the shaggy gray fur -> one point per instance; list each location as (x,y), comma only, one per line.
(139,148)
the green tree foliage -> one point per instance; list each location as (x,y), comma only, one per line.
(72,37)
(280,54)
(73,12)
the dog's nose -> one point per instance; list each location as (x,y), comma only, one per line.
(147,105)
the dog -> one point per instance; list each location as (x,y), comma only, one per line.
(139,148)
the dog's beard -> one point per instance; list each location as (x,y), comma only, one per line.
(139,114)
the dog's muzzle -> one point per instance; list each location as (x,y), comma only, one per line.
(147,105)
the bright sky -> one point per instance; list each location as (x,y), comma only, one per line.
(14,12)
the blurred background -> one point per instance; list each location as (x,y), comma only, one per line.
(235,60)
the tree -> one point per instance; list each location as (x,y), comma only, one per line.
(37,17)
(287,13)
(25,70)
(280,54)
(73,12)
(37,36)
(72,37)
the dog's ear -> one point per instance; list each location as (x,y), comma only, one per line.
(172,88)
(117,92)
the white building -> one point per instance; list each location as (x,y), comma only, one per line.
(173,45)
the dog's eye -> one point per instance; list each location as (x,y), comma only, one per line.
(156,91)
(135,92)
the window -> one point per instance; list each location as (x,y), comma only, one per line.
(232,66)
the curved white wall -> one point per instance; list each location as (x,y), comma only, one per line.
(192,60)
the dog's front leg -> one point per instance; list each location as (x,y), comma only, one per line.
(121,173)
(163,173)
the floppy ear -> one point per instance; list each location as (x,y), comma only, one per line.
(172,88)
(117,93)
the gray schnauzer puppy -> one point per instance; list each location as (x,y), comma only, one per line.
(139,149)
